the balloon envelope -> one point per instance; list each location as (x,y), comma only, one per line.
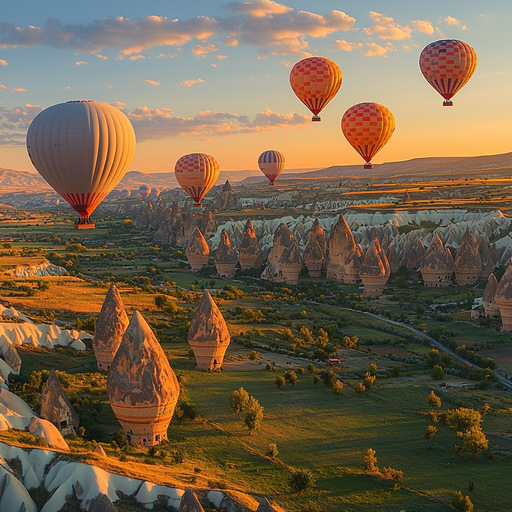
(197,173)
(271,163)
(315,81)
(447,65)
(82,149)
(145,190)
(125,192)
(368,127)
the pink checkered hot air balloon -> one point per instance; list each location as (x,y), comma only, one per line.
(447,65)
(271,163)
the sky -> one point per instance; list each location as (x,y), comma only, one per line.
(212,76)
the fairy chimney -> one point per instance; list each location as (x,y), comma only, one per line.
(283,240)
(319,233)
(411,259)
(406,198)
(503,299)
(141,385)
(208,226)
(249,251)
(56,408)
(111,325)
(393,259)
(374,270)
(185,229)
(208,334)
(197,251)
(10,355)
(437,265)
(489,298)
(291,264)
(468,263)
(313,256)
(226,199)
(189,502)
(420,251)
(487,259)
(343,261)
(226,257)
(265,506)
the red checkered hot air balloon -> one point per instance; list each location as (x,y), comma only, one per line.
(271,163)
(368,127)
(197,173)
(315,81)
(447,66)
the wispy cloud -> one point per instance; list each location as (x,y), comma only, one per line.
(341,44)
(190,82)
(137,57)
(376,50)
(201,50)
(14,123)
(81,63)
(3,62)
(152,82)
(386,28)
(258,8)
(451,21)
(19,89)
(423,26)
(102,57)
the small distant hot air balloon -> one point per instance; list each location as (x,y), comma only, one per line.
(197,173)
(82,149)
(144,190)
(315,81)
(271,163)
(125,193)
(447,66)
(368,127)
(155,192)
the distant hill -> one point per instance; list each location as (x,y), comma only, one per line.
(21,181)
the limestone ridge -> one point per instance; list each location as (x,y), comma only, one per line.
(56,408)
(141,385)
(503,299)
(208,334)
(313,256)
(197,251)
(437,264)
(489,298)
(374,270)
(250,251)
(112,323)
(343,261)
(190,503)
(226,256)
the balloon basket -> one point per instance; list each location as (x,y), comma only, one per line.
(83,225)
(316,118)
(271,184)
(368,166)
(198,205)
(447,103)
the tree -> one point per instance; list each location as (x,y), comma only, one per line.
(433,400)
(280,382)
(253,414)
(420,310)
(301,480)
(160,301)
(311,368)
(239,400)
(372,369)
(433,358)
(329,378)
(437,372)
(273,452)
(462,503)
(360,389)
(393,474)
(396,371)
(322,339)
(463,418)
(316,379)
(350,342)
(473,440)
(370,462)
(337,388)
(120,440)
(291,377)
(430,432)
(369,381)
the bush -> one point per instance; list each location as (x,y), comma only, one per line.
(433,400)
(438,373)
(291,377)
(273,452)
(462,503)
(280,381)
(301,480)
(120,441)
(253,415)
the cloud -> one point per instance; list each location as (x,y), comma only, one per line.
(423,26)
(67,87)
(3,62)
(81,63)
(221,57)
(102,57)
(202,50)
(376,50)
(14,123)
(278,29)
(19,89)
(386,28)
(137,57)
(190,82)
(152,82)
(341,44)
(451,21)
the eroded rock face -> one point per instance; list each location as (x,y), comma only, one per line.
(468,263)
(265,506)
(343,261)
(393,258)
(226,199)
(185,229)
(313,256)
(208,225)
(10,355)
(503,299)
(190,503)
(141,385)
(226,256)
(112,324)
(488,299)
(101,503)
(411,259)
(142,220)
(208,334)
(250,251)
(283,240)
(197,251)
(437,264)
(374,270)
(56,408)
(486,257)
(319,233)
(406,198)
(291,264)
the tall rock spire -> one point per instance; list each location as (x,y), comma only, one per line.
(197,251)
(250,251)
(374,270)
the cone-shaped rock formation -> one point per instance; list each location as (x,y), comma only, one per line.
(141,385)
(437,264)
(56,408)
(208,334)
(190,503)
(226,257)
(486,258)
(468,263)
(393,258)
(112,324)
(343,260)
(406,198)
(488,299)
(319,233)
(313,256)
(10,355)
(291,264)
(503,299)
(283,240)
(250,251)
(197,251)
(208,225)
(226,199)
(265,506)
(374,270)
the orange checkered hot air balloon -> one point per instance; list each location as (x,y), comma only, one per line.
(368,127)
(197,173)
(447,66)
(315,81)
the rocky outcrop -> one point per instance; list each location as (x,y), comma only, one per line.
(410,259)
(343,261)
(101,503)
(141,220)
(406,198)
(10,355)
(208,225)
(226,199)
(437,264)
(486,257)
(468,263)
(208,334)
(190,503)
(291,264)
(111,325)
(56,408)
(141,385)
(265,506)
(197,251)
(319,233)
(313,256)
(249,251)
(283,240)
(374,270)
(393,258)
(226,257)
(489,298)
(184,229)
(503,299)
(43,269)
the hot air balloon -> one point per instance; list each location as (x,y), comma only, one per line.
(144,190)
(155,192)
(197,173)
(271,163)
(82,149)
(447,66)
(315,81)
(125,193)
(368,127)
